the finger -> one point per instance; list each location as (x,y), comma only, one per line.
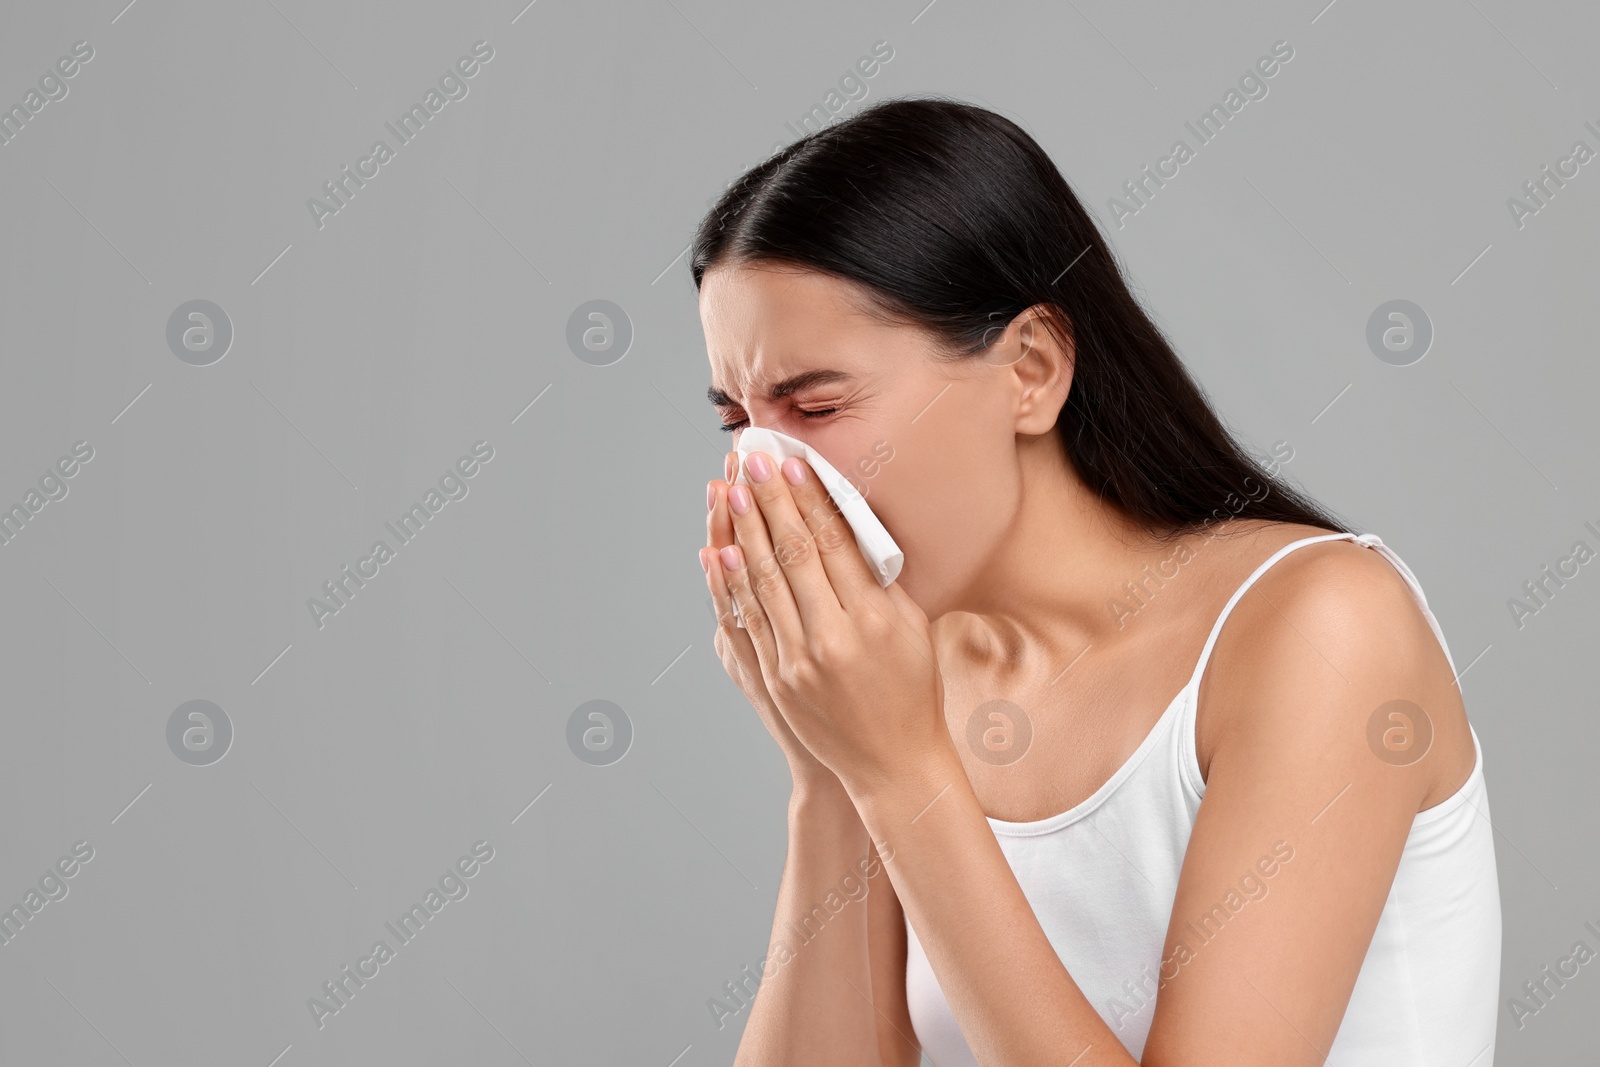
(733,643)
(719,520)
(849,575)
(721,603)
(764,574)
(911,619)
(794,549)
(720,534)
(742,663)
(731,566)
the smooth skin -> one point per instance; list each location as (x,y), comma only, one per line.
(1010,564)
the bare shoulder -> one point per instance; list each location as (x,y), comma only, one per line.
(1329,646)
(1293,716)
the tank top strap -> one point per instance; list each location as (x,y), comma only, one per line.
(1371,541)
(1216,627)
(1184,737)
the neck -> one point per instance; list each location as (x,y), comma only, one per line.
(1045,595)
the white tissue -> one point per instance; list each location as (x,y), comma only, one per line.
(877,547)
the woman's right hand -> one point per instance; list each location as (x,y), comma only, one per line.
(738,652)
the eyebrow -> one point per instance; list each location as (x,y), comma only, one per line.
(792,384)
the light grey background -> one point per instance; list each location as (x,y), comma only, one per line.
(369,354)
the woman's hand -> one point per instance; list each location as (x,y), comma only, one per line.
(738,654)
(848,665)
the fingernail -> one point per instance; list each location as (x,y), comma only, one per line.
(705,565)
(730,558)
(711,496)
(739,497)
(728,467)
(756,463)
(794,470)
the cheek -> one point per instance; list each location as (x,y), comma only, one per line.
(944,506)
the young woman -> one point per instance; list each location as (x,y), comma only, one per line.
(1107,612)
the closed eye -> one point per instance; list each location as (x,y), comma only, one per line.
(730,427)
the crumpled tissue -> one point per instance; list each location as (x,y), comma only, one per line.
(877,547)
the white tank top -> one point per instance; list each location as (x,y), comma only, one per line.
(1102,878)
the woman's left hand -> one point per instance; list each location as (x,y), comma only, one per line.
(848,662)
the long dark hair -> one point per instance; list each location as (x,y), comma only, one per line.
(954,218)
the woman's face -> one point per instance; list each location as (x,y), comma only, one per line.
(931,444)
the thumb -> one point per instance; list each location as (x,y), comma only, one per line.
(908,610)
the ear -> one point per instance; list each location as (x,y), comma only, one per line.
(1037,348)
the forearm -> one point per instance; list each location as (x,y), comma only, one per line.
(814,1005)
(1004,982)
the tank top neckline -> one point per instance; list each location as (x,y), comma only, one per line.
(1186,695)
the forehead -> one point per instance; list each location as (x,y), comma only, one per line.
(763,324)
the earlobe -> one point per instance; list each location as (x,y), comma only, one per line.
(1046,378)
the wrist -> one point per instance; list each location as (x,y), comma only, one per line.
(911,785)
(820,797)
